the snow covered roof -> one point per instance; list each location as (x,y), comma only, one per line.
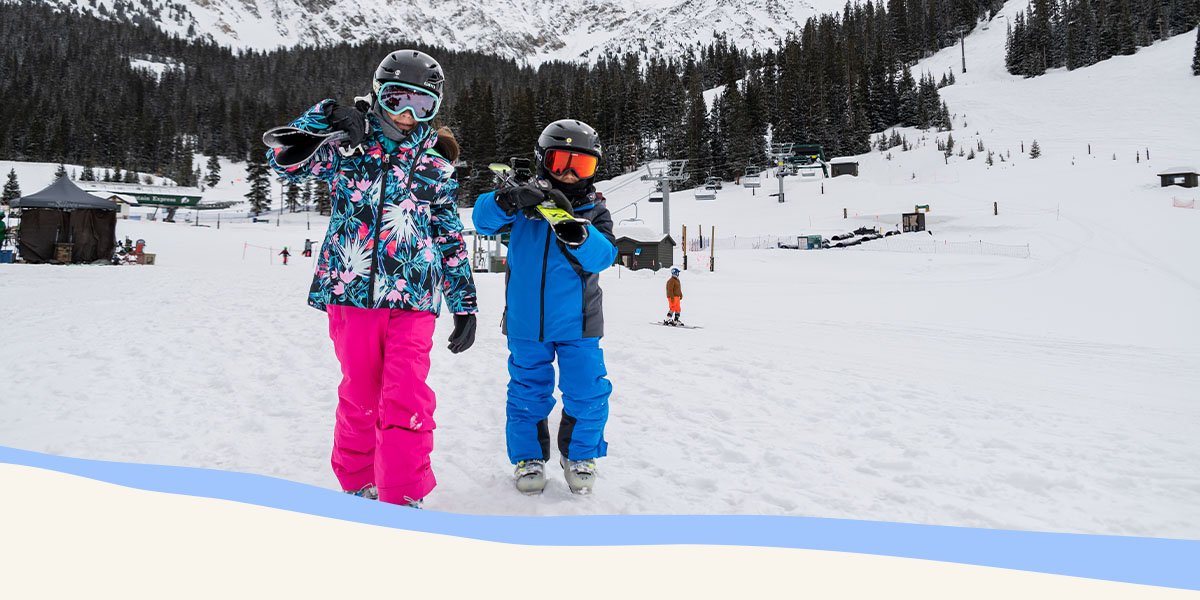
(640,234)
(126,198)
(1180,171)
(138,188)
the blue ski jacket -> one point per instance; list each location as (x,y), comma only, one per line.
(552,292)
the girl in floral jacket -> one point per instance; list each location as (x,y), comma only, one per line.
(392,255)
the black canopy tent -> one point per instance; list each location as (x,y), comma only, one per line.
(64,214)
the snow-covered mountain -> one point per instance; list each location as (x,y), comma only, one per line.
(526,30)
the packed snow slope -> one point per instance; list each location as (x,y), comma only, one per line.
(524,30)
(1054,392)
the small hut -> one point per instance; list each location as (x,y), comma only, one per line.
(64,224)
(641,248)
(843,166)
(913,221)
(1181,176)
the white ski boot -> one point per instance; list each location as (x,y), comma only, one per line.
(530,476)
(580,474)
(369,491)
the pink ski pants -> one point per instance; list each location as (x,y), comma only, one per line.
(384,430)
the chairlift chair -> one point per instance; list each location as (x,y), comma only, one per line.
(634,218)
(751,179)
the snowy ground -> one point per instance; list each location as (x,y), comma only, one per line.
(1050,393)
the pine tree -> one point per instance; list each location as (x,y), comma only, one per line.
(12,190)
(1196,60)
(291,197)
(1035,150)
(214,171)
(909,108)
(324,201)
(696,143)
(307,197)
(183,173)
(260,184)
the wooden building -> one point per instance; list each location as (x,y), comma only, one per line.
(641,248)
(1181,176)
(843,166)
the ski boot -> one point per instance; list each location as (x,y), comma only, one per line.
(369,491)
(580,474)
(530,476)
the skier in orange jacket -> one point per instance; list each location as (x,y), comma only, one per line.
(674,296)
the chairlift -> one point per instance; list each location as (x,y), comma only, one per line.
(634,218)
(752,179)
(810,171)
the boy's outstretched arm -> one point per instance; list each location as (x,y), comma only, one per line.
(488,217)
(600,250)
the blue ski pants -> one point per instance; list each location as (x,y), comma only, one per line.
(585,392)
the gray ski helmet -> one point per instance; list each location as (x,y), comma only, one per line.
(568,134)
(412,67)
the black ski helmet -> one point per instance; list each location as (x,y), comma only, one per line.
(412,67)
(568,134)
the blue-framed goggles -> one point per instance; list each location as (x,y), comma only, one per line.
(396,97)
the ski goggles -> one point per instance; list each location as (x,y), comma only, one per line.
(396,97)
(558,162)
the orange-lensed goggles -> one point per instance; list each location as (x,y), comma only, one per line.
(559,162)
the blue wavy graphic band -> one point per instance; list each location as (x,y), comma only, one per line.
(1171,563)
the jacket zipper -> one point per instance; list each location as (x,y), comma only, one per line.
(542,307)
(583,295)
(379,223)
(375,238)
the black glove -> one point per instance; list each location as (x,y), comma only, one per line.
(513,199)
(561,201)
(347,119)
(463,336)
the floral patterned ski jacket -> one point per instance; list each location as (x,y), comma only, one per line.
(394,237)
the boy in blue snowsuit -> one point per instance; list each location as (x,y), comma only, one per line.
(553,308)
